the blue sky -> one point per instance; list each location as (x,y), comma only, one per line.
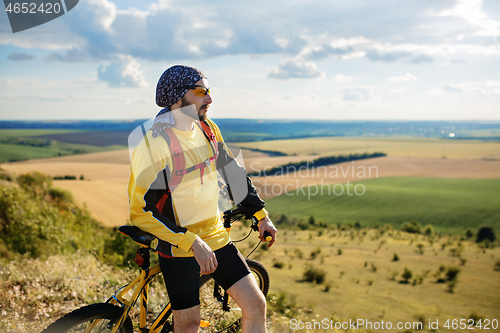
(338,60)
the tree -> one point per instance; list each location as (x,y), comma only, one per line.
(311,220)
(485,233)
(411,227)
(429,230)
(407,275)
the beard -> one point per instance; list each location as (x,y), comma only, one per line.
(201,117)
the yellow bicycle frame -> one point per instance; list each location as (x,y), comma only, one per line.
(141,285)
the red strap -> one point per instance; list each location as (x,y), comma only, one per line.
(179,161)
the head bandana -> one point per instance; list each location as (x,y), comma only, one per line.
(167,89)
(168,92)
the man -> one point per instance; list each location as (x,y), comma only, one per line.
(173,193)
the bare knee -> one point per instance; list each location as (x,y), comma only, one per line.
(187,321)
(255,307)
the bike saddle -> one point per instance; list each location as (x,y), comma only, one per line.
(139,236)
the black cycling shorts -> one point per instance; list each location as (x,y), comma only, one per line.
(182,275)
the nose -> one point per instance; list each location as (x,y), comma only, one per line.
(208,99)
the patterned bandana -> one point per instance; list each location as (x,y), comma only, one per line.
(167,89)
(168,93)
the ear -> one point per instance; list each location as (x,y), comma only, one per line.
(176,105)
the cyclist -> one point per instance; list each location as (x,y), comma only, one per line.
(173,192)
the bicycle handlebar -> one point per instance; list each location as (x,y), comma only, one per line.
(231,213)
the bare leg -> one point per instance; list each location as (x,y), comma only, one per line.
(252,303)
(187,320)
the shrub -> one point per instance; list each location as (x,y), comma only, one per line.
(452,273)
(439,274)
(451,286)
(395,257)
(31,221)
(411,227)
(297,252)
(278,264)
(312,221)
(303,226)
(315,253)
(429,230)
(407,275)
(283,303)
(60,197)
(313,274)
(4,175)
(469,233)
(475,318)
(485,233)
(497,265)
(35,182)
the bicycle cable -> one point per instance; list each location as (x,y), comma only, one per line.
(255,248)
(242,239)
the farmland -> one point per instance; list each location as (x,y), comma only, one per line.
(404,147)
(452,185)
(450,205)
(27,144)
(106,174)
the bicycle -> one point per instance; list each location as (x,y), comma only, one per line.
(219,312)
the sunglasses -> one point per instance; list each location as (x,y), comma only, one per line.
(198,90)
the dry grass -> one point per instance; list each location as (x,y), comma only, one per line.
(35,292)
(360,278)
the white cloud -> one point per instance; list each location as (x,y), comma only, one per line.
(403,78)
(125,72)
(342,78)
(167,30)
(357,93)
(472,12)
(295,69)
(488,87)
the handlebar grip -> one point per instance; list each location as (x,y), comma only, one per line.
(267,236)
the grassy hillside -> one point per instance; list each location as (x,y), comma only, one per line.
(450,205)
(361,277)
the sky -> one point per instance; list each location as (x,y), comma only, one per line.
(264,59)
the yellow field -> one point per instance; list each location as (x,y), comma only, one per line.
(432,148)
(104,190)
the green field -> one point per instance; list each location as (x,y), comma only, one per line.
(450,205)
(12,133)
(27,144)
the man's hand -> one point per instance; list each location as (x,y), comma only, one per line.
(267,225)
(204,256)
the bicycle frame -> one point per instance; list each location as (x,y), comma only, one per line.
(140,287)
